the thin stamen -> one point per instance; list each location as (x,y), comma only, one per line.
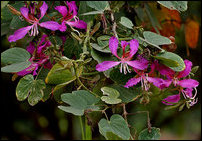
(121,67)
(195,93)
(128,68)
(76,18)
(185,97)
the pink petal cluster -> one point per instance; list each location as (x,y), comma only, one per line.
(39,58)
(29,16)
(145,80)
(186,86)
(69,15)
(126,59)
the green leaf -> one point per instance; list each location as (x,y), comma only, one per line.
(98,5)
(15,59)
(56,40)
(103,41)
(152,18)
(28,87)
(36,93)
(72,48)
(175,5)
(154,135)
(85,12)
(60,73)
(79,101)
(16,67)
(127,94)
(120,78)
(117,125)
(4,28)
(194,69)
(101,57)
(4,3)
(92,13)
(99,48)
(171,60)
(14,55)
(112,136)
(16,23)
(111,95)
(156,39)
(126,22)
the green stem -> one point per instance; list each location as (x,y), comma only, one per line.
(125,38)
(82,129)
(88,130)
(82,83)
(90,73)
(87,37)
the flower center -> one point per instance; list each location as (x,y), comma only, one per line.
(34,30)
(124,67)
(191,100)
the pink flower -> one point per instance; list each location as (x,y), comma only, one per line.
(29,17)
(174,78)
(68,15)
(126,57)
(145,80)
(39,58)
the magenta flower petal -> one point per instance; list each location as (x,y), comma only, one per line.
(160,83)
(134,44)
(72,7)
(78,24)
(62,10)
(43,39)
(188,83)
(188,92)
(138,64)
(124,44)
(113,45)
(43,9)
(25,12)
(187,69)
(106,65)
(30,69)
(36,68)
(133,81)
(164,70)
(171,99)
(63,27)
(31,48)
(19,34)
(48,65)
(52,25)
(152,68)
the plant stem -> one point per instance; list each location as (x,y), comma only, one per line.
(82,83)
(87,37)
(82,129)
(114,25)
(148,119)
(90,73)
(125,113)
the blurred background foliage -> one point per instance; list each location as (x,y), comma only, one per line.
(46,121)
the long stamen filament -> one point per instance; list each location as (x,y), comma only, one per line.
(121,67)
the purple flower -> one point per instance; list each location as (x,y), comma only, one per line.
(126,57)
(34,21)
(68,15)
(39,58)
(145,80)
(188,84)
